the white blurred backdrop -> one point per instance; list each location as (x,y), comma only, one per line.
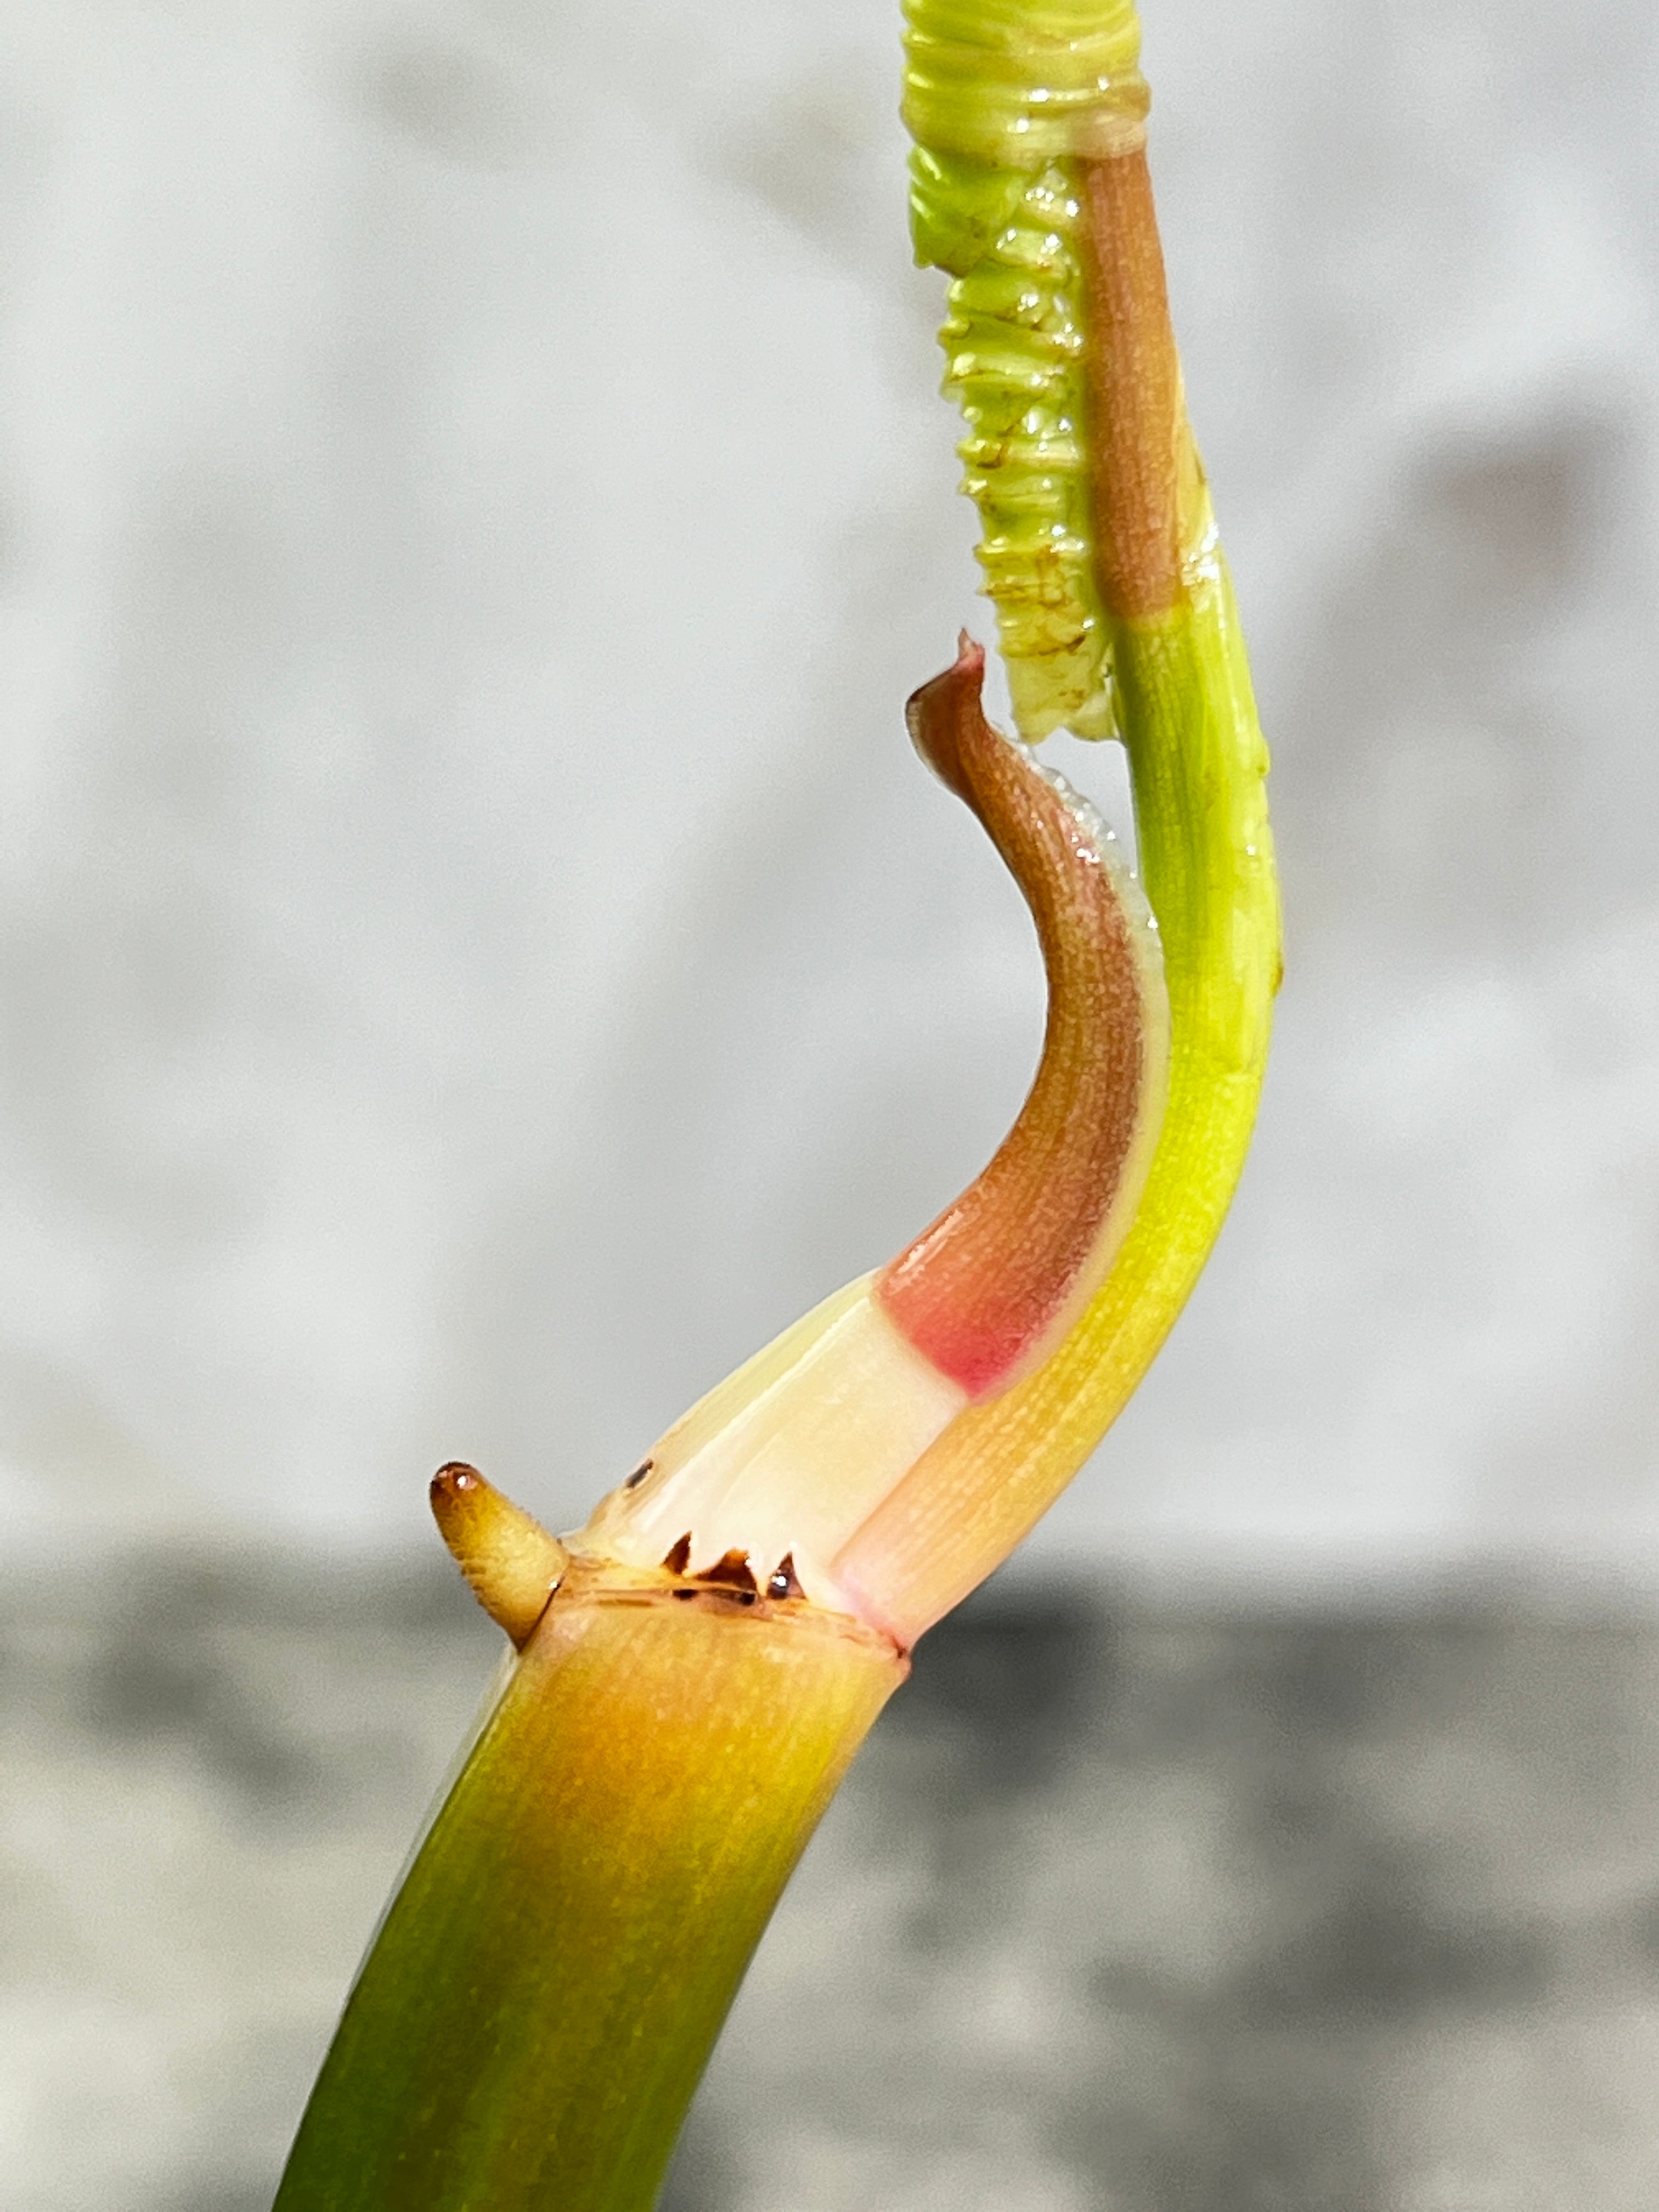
(479,953)
(478,956)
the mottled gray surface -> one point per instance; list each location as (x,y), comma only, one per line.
(1124,1907)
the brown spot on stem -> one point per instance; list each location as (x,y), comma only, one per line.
(678,1558)
(731,1577)
(512,1564)
(639,1474)
(782,1582)
(732,1572)
(982,1292)
(1133,376)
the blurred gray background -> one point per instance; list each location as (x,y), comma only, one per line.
(478,956)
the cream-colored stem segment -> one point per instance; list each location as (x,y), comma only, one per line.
(778,1470)
(790,1454)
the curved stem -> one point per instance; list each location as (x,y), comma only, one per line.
(1187,715)
(1206,854)
(800,1450)
(985,1289)
(530,2024)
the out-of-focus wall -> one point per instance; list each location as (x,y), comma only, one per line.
(477,954)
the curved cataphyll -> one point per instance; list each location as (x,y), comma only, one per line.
(695,1668)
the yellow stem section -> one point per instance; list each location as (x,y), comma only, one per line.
(527,2031)
(1199,765)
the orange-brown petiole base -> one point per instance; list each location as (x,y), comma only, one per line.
(1137,431)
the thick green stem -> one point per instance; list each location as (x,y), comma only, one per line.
(533,2018)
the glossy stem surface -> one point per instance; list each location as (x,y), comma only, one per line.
(542,1999)
(989,1283)
(1187,715)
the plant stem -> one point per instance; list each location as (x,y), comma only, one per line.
(1187,713)
(533,2017)
(531,2022)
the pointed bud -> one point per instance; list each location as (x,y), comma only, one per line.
(511,1562)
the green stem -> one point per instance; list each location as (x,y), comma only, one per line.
(1199,765)
(531,2024)
(532,2019)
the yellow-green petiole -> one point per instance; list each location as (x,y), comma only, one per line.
(699,1663)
